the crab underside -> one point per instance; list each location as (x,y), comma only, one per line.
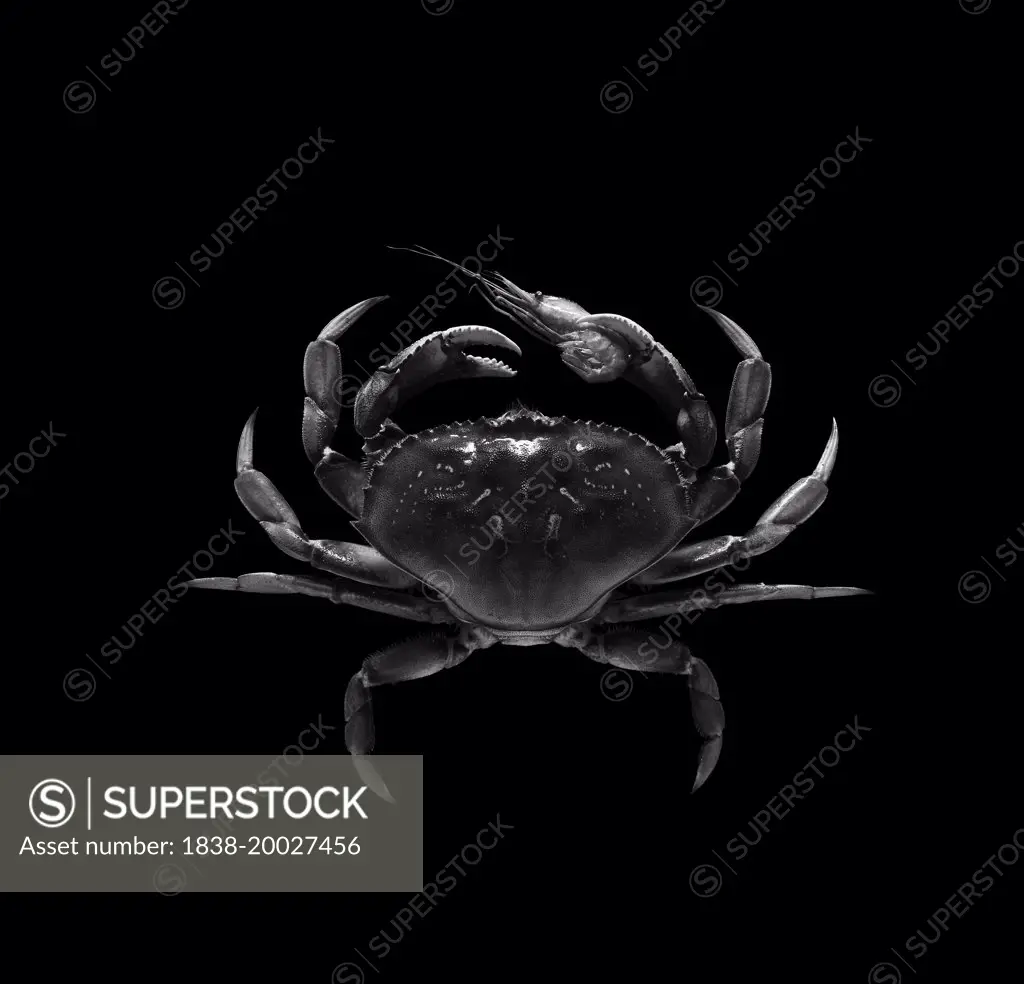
(528,529)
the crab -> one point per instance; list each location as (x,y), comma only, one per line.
(527,529)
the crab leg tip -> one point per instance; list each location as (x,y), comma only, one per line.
(828,456)
(243,459)
(366,771)
(212,582)
(742,342)
(709,755)
(337,326)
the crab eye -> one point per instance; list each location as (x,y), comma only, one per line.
(538,294)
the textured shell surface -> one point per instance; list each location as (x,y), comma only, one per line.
(527,521)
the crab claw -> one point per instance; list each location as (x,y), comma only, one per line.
(603,346)
(598,348)
(435,358)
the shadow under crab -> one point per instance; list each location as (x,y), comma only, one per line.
(530,529)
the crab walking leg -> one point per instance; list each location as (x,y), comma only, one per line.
(409,660)
(384,600)
(795,506)
(340,477)
(629,649)
(682,601)
(270,509)
(744,421)
(655,370)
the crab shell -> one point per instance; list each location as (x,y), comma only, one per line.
(524,522)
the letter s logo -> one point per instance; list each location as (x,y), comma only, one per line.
(45,794)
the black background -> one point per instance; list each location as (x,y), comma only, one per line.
(446,128)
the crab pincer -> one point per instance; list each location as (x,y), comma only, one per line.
(600,348)
(435,358)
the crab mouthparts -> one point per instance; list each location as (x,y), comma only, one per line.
(514,638)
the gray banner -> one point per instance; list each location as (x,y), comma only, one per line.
(210,823)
